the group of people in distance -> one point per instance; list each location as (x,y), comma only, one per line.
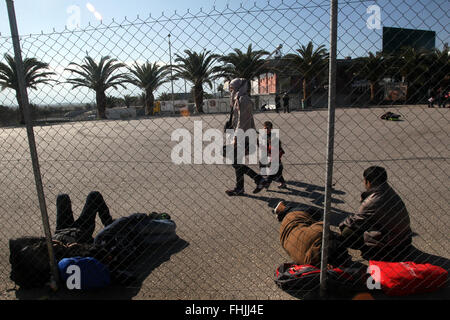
(439,96)
(380,229)
(286,107)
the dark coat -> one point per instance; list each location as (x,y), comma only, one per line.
(382,219)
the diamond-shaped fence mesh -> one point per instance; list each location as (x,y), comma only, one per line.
(105,120)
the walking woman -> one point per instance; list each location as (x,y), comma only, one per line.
(242,120)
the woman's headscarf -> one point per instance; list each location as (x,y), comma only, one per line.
(242,105)
(239,85)
(240,91)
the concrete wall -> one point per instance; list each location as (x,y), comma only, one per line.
(121,113)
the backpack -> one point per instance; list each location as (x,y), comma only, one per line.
(405,278)
(293,277)
(29,261)
(128,237)
(92,273)
(390,116)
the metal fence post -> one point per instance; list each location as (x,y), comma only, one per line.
(31,139)
(330,151)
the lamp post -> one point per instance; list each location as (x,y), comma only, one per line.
(171,73)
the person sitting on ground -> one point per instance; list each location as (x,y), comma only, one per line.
(278,174)
(380,229)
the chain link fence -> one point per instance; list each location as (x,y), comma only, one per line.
(105,102)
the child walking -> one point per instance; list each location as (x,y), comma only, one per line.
(277,176)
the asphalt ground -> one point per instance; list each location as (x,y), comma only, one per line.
(229,248)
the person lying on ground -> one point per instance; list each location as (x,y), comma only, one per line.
(301,237)
(118,245)
(69,231)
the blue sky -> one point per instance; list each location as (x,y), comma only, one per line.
(44,15)
(35,16)
(355,38)
(288,22)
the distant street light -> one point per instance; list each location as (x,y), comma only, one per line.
(171,73)
(277,51)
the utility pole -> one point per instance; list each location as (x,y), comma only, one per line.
(330,151)
(171,73)
(20,74)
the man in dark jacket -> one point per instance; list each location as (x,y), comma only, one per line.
(381,227)
(277,103)
(286,103)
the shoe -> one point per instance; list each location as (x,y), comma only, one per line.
(263,183)
(235,192)
(258,190)
(279,208)
(159,216)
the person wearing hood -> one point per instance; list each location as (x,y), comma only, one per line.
(242,119)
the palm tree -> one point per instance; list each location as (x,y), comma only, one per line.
(312,64)
(128,100)
(373,69)
(99,77)
(199,69)
(438,68)
(411,65)
(35,74)
(149,77)
(244,65)
(113,102)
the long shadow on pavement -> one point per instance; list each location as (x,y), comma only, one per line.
(310,191)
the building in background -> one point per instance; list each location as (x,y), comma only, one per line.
(280,77)
(394,39)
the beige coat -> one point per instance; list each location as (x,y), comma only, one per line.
(242,106)
(301,238)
